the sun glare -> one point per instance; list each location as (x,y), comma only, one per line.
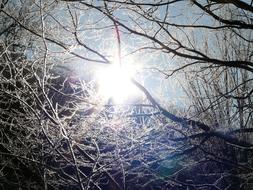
(115,83)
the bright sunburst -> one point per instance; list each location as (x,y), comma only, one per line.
(115,82)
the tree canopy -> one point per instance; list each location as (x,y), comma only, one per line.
(126,94)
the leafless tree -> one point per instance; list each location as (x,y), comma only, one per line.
(56,131)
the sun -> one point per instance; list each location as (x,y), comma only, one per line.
(115,82)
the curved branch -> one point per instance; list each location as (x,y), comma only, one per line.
(60,44)
(237,3)
(239,23)
(174,118)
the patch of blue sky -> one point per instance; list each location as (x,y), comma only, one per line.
(98,32)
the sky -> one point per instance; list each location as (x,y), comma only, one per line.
(98,32)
